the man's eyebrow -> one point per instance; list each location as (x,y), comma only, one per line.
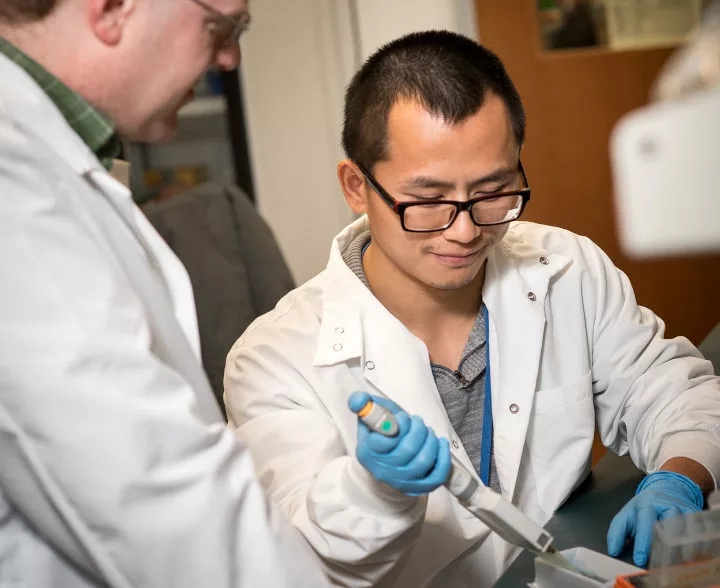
(428,182)
(504,174)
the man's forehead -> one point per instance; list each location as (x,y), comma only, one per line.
(410,121)
(408,107)
(428,151)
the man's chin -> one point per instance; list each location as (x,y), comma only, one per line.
(455,278)
(451,284)
(159,131)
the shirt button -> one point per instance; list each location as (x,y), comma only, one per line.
(337,347)
(532,297)
(544,260)
(455,444)
(339,330)
(514,408)
(370,365)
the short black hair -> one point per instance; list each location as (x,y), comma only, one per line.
(24,11)
(447,73)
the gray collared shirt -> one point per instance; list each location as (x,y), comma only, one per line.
(462,391)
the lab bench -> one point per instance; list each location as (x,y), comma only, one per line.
(584,519)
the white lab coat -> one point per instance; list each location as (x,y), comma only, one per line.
(116,468)
(569,349)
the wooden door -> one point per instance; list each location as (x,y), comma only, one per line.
(573,99)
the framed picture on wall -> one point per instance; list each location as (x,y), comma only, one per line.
(618,25)
(634,24)
(572,24)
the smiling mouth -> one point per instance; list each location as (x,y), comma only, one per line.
(457,260)
(458,255)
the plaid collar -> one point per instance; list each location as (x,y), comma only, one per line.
(92,127)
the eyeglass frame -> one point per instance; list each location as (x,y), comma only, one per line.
(400,207)
(238,26)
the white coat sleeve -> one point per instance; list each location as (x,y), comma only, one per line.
(656,398)
(101,449)
(362,529)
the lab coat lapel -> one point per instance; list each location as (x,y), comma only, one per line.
(144,271)
(517,279)
(108,202)
(401,367)
(355,326)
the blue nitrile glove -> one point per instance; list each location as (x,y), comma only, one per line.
(659,496)
(414,461)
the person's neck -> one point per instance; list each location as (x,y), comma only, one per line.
(64,60)
(419,306)
(33,40)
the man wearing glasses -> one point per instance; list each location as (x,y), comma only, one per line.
(116,468)
(507,341)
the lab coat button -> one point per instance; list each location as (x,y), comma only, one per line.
(514,408)
(337,347)
(455,444)
(544,260)
(532,297)
(339,330)
(370,365)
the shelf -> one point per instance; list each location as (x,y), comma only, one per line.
(204,106)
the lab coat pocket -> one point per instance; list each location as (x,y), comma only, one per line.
(560,439)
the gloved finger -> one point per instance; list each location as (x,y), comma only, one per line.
(424,461)
(647,516)
(622,526)
(382,444)
(670,512)
(357,401)
(409,444)
(439,474)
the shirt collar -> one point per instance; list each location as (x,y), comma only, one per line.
(515,266)
(96,131)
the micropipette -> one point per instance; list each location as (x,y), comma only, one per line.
(491,508)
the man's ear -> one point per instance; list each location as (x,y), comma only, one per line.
(353,185)
(107,18)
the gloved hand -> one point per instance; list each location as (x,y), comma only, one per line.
(659,496)
(414,461)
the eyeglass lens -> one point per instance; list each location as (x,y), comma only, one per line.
(489,211)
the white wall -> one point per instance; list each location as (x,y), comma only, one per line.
(297,60)
(380,21)
(293,76)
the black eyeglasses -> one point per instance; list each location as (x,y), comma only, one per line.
(437,215)
(226,29)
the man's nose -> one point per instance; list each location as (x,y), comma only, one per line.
(463,230)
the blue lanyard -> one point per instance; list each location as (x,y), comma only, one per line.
(487,431)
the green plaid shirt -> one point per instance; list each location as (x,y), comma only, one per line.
(94,129)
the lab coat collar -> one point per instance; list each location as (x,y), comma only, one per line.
(344,296)
(346,299)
